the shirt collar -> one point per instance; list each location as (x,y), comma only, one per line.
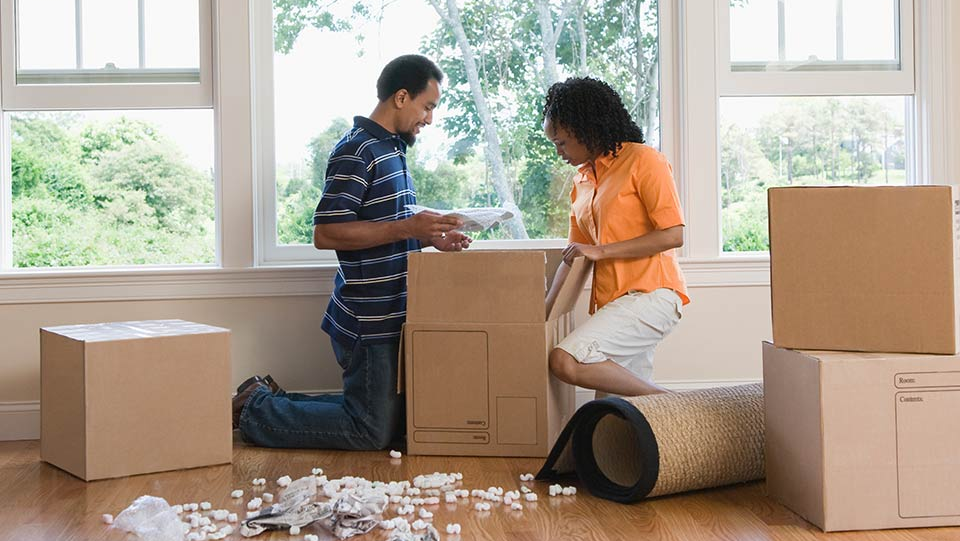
(375,129)
(601,163)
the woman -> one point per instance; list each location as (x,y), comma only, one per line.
(626,218)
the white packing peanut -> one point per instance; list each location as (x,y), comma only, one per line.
(254,503)
(405,500)
(507,500)
(209,528)
(395,454)
(417,501)
(235,494)
(456,529)
(419,524)
(251,514)
(413,491)
(107,518)
(386,525)
(516,506)
(232,517)
(206,506)
(204,521)
(220,514)
(525,489)
(311,537)
(530,497)
(425,514)
(178,509)
(395,499)
(432,500)
(267,497)
(526,477)
(294,530)
(431,492)
(284,481)
(478,506)
(567,491)
(194,522)
(573,490)
(194,536)
(450,497)
(317,471)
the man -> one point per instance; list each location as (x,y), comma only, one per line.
(362,216)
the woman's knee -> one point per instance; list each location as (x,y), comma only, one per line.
(563,366)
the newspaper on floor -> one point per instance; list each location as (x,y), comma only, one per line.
(430,535)
(474,219)
(349,515)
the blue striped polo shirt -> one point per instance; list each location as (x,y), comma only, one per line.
(367,179)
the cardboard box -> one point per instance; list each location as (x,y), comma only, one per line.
(476,343)
(859,441)
(865,268)
(134,397)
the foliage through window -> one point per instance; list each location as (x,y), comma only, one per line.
(486,147)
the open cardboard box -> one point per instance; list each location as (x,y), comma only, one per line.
(475,347)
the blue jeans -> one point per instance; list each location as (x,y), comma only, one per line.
(367,416)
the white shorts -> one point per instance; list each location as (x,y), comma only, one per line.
(626,331)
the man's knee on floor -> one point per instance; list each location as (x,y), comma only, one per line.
(563,366)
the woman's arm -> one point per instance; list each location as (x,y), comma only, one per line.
(647,245)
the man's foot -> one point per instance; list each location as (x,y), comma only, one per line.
(244,391)
(274,386)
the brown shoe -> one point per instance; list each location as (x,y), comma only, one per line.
(274,386)
(244,391)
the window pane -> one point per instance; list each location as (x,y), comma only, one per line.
(110,34)
(869,30)
(753,31)
(810,30)
(766,142)
(46,34)
(172,33)
(112,188)
(817,34)
(325,71)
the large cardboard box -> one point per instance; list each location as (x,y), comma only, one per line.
(865,268)
(859,441)
(476,343)
(134,397)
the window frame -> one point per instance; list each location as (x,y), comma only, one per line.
(102,96)
(270,253)
(109,94)
(836,79)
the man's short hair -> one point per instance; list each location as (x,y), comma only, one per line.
(411,72)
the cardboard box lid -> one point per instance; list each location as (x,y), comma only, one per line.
(128,330)
(477,286)
(867,268)
(570,291)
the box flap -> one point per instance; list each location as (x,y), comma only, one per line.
(477,286)
(571,289)
(128,330)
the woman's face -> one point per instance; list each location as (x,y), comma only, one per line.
(569,148)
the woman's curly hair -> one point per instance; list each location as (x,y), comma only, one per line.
(593,112)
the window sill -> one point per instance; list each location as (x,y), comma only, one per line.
(58,286)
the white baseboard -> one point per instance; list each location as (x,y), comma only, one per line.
(21,420)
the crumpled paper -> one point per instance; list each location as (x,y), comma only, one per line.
(349,515)
(151,519)
(474,219)
(430,535)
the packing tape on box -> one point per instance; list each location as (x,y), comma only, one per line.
(628,449)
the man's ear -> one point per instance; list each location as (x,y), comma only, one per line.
(400,98)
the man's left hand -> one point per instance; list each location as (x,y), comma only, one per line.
(453,241)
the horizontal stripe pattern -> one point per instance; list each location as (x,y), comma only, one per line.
(367,179)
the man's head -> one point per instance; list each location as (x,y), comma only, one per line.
(409,88)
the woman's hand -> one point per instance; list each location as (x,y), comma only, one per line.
(453,241)
(576,249)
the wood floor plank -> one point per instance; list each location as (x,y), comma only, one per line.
(44,503)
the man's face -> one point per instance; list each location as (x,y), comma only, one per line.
(417,112)
(569,148)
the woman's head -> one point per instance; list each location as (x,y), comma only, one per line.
(585,118)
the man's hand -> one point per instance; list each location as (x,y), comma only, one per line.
(430,227)
(453,241)
(576,249)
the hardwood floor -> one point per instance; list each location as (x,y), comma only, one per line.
(43,503)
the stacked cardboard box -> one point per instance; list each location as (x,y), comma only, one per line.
(476,343)
(134,397)
(864,436)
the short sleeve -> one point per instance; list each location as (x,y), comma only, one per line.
(658,193)
(575,235)
(343,192)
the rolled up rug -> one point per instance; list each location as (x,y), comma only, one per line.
(627,449)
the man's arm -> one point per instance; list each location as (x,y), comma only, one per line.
(358,235)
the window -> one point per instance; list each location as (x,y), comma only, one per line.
(318,65)
(107,141)
(811,92)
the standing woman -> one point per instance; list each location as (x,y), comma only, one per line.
(626,218)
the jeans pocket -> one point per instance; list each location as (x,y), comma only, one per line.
(345,354)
